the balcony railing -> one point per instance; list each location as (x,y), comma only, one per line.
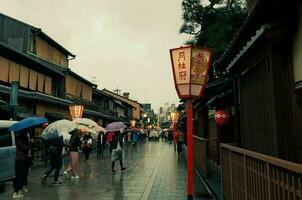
(206,155)
(251,175)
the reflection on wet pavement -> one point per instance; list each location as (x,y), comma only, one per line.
(153,171)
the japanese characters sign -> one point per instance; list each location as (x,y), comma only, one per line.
(200,61)
(190,67)
(181,63)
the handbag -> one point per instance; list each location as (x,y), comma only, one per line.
(119,148)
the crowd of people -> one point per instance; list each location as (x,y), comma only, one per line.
(57,149)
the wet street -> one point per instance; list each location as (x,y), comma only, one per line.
(153,171)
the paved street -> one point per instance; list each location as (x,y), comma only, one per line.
(153,172)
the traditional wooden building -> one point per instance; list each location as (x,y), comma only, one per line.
(136,107)
(260,155)
(36,61)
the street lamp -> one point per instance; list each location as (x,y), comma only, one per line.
(132,123)
(76,111)
(190,66)
(174,118)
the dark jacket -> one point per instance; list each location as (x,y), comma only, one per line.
(74,143)
(55,145)
(23,145)
(101,141)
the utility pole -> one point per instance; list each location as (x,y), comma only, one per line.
(117,90)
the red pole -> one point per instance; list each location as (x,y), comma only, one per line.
(190,148)
(174,135)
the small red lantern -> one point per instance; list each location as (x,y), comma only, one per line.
(222,117)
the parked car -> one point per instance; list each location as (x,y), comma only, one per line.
(7,151)
(154,135)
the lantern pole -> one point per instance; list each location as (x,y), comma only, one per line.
(190,148)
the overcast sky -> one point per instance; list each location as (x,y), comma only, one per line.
(123,43)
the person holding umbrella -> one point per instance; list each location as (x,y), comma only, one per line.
(74,149)
(22,151)
(101,144)
(55,149)
(116,143)
(22,160)
(117,151)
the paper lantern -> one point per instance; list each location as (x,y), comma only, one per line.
(222,117)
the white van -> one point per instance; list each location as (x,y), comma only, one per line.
(7,151)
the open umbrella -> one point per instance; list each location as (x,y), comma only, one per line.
(27,123)
(58,128)
(99,128)
(85,122)
(115,126)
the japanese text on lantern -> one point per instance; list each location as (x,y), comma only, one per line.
(200,60)
(182,66)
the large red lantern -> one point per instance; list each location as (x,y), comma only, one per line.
(222,117)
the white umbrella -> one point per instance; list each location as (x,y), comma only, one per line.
(89,130)
(85,122)
(58,128)
(99,128)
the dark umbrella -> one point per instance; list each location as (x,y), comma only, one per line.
(27,123)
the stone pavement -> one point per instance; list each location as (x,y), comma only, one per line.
(153,171)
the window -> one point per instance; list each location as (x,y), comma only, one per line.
(32,43)
(5,138)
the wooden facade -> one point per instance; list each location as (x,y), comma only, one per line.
(46,51)
(264,60)
(137,111)
(77,88)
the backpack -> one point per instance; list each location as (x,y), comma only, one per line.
(110,137)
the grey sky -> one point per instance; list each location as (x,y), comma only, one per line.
(123,43)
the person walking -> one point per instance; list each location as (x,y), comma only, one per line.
(87,145)
(74,149)
(55,149)
(117,151)
(180,140)
(21,164)
(101,144)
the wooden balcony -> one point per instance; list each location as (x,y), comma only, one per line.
(251,175)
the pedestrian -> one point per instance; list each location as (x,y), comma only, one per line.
(180,140)
(134,138)
(110,139)
(163,134)
(21,163)
(101,144)
(29,161)
(170,137)
(74,149)
(117,150)
(87,145)
(55,150)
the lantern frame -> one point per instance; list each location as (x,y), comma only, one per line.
(174,116)
(190,84)
(76,111)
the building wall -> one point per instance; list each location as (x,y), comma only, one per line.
(136,112)
(50,53)
(41,109)
(297,49)
(76,88)
(14,33)
(28,78)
